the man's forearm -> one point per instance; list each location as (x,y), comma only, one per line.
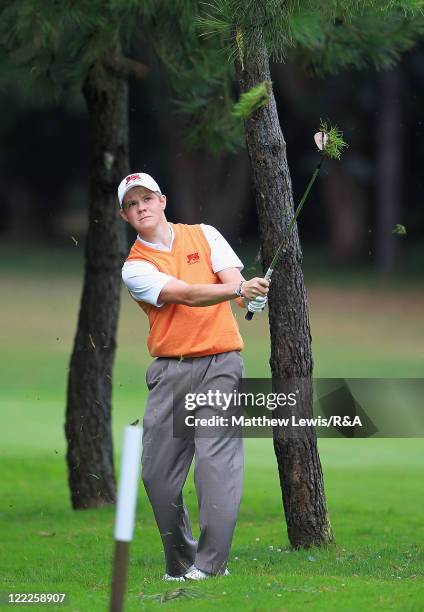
(208,295)
(179,292)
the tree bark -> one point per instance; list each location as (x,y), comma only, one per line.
(298,461)
(88,415)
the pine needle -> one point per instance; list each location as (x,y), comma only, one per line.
(250,101)
(399,229)
(335,143)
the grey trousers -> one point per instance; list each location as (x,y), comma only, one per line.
(166,460)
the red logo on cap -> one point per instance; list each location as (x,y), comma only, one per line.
(132,177)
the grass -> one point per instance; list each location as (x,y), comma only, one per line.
(375,504)
(373,487)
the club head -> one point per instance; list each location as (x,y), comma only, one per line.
(321,139)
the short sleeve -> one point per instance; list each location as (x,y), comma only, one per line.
(222,255)
(144,281)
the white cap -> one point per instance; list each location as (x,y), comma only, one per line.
(133,180)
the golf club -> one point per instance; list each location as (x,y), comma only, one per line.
(330,143)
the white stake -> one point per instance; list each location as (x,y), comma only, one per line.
(125,512)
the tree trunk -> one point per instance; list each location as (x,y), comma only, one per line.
(88,415)
(291,358)
(389,143)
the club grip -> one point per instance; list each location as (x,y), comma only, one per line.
(249,315)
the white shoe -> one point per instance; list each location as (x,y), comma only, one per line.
(196,574)
(167,577)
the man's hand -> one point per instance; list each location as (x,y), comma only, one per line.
(256,287)
(257,305)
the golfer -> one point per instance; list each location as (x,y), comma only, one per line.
(183,277)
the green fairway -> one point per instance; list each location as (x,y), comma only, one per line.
(374,487)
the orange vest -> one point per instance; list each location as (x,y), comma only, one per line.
(177,330)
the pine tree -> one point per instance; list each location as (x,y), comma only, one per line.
(327,37)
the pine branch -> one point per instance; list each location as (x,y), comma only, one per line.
(253,99)
(329,35)
(126,66)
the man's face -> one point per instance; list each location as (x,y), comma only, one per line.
(143,209)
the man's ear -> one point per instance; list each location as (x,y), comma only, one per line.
(123,215)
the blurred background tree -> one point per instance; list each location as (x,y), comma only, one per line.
(43,134)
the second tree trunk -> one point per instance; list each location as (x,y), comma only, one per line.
(88,416)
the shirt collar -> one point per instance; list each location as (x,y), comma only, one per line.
(159,247)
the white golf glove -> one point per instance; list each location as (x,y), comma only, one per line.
(257,305)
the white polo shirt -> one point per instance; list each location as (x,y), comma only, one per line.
(145,282)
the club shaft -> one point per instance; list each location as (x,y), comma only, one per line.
(284,241)
(296,214)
